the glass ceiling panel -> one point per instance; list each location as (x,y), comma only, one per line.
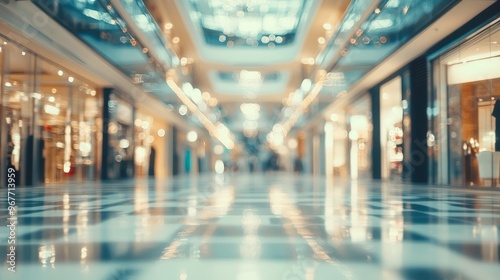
(339,81)
(396,23)
(384,31)
(98,25)
(352,17)
(248,22)
(101,29)
(235,76)
(140,14)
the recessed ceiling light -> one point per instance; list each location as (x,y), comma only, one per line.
(184,61)
(327,26)
(218,149)
(161,132)
(183,110)
(192,136)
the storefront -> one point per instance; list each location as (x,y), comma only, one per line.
(151,145)
(463,140)
(160,150)
(143,150)
(348,140)
(118,137)
(51,121)
(360,138)
(394,129)
(336,137)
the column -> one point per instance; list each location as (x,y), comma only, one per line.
(322,157)
(105,134)
(419,158)
(308,153)
(376,143)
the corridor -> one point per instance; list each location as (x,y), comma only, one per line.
(253,226)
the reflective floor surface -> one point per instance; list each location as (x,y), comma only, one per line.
(249,227)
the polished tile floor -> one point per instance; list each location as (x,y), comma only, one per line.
(249,227)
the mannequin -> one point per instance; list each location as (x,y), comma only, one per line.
(496,114)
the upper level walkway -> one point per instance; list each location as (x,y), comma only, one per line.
(249,227)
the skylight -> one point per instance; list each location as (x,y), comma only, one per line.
(248,22)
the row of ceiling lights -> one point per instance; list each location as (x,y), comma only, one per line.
(217,130)
(196,102)
(270,40)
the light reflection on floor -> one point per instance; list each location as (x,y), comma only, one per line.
(253,226)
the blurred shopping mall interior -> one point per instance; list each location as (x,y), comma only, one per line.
(250,139)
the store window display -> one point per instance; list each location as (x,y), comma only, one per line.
(392,135)
(360,135)
(339,141)
(68,122)
(120,138)
(16,66)
(468,83)
(143,139)
(51,119)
